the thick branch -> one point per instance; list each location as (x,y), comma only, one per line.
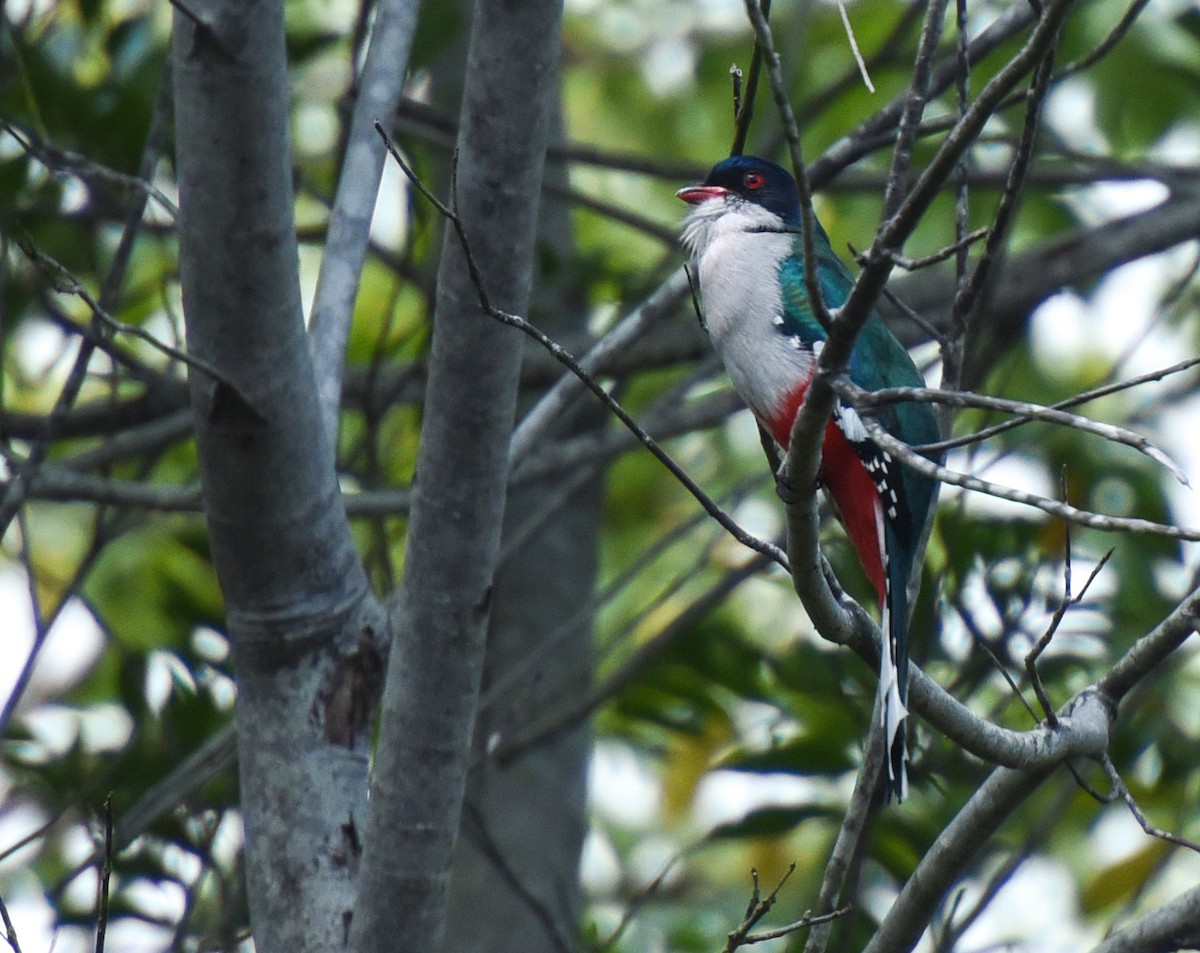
(1173,926)
(433,679)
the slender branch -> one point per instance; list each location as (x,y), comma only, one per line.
(858,57)
(379,90)
(803,923)
(87,169)
(1081,398)
(106,868)
(18,483)
(864,400)
(764,39)
(973,827)
(66,283)
(852,835)
(634,905)
(914,107)
(1105,46)
(1153,648)
(630,329)
(969,293)
(579,708)
(744,110)
(1068,601)
(962,135)
(475,827)
(10,932)
(757,908)
(952,250)
(896,228)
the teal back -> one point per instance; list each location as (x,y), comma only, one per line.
(877,361)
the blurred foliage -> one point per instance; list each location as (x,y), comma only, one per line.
(745,728)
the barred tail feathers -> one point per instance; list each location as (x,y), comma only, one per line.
(893,657)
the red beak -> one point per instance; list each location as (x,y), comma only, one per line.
(695,194)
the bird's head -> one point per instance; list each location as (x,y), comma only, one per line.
(741,193)
(741,179)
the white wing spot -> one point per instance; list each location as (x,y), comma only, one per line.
(851,424)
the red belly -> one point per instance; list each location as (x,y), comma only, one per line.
(848,484)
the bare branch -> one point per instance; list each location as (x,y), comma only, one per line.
(379,90)
(853,833)
(1123,792)
(744,104)
(1153,648)
(969,293)
(1068,600)
(765,41)
(1081,398)
(87,169)
(550,407)
(106,868)
(914,108)
(66,283)
(580,707)
(1111,524)
(858,57)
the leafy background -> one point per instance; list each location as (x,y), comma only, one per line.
(736,740)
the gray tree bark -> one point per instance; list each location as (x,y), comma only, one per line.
(454,531)
(299,612)
(515,884)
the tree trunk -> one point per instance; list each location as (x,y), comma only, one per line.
(454,531)
(299,612)
(515,885)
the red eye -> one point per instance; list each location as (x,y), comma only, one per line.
(753,180)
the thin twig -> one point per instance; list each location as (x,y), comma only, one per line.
(853,833)
(635,904)
(804,922)
(475,827)
(1123,791)
(580,706)
(757,12)
(744,103)
(952,250)
(756,909)
(10,932)
(759,907)
(1043,642)
(914,108)
(858,57)
(66,283)
(969,294)
(106,868)
(1067,602)
(63,160)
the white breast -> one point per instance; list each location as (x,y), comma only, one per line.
(737,267)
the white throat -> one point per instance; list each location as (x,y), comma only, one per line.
(737,247)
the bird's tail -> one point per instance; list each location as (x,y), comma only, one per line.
(893,665)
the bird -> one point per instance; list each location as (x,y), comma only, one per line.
(744,234)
